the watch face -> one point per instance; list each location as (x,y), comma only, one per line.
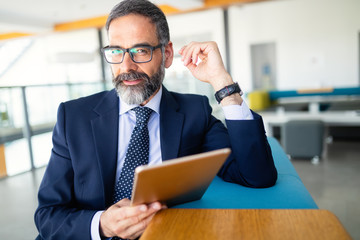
(227,91)
(231,89)
(222,94)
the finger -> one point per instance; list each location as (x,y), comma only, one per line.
(139,211)
(191,67)
(125,217)
(134,226)
(137,229)
(188,58)
(123,202)
(121,214)
(135,211)
(109,219)
(181,50)
(152,209)
(155,206)
(187,52)
(184,49)
(195,53)
(132,215)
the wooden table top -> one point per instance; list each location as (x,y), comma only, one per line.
(244,224)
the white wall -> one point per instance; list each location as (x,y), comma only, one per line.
(316,40)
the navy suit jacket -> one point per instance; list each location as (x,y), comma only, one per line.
(79,179)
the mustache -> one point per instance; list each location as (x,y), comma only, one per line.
(132,76)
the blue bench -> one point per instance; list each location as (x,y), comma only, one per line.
(288,193)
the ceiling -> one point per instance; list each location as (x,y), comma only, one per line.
(37,16)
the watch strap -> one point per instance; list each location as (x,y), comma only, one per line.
(227,91)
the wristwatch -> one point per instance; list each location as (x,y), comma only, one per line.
(227,91)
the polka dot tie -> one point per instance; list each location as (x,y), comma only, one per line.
(137,154)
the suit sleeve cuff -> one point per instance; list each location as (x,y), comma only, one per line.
(238,112)
(95,226)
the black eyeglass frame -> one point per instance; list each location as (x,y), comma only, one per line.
(127,50)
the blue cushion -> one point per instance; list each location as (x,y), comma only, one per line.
(288,193)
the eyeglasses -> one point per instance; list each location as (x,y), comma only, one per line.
(139,54)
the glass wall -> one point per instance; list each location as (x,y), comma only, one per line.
(43,72)
(68,65)
(12,121)
(28,115)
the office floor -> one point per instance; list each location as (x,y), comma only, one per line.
(333,183)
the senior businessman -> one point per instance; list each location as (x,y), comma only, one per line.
(100,139)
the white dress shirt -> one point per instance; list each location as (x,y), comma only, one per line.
(127,121)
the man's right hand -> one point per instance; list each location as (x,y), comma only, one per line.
(127,222)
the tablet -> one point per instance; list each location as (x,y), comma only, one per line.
(177,181)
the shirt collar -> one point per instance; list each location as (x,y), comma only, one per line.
(154,104)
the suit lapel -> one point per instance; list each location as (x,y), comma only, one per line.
(171,125)
(105,132)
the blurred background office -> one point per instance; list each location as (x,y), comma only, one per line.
(296,60)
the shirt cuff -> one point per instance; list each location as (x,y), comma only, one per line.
(238,112)
(95,226)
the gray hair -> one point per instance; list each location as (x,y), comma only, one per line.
(146,9)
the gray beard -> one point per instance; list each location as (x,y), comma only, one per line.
(141,92)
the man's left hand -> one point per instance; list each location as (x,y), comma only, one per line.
(210,69)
